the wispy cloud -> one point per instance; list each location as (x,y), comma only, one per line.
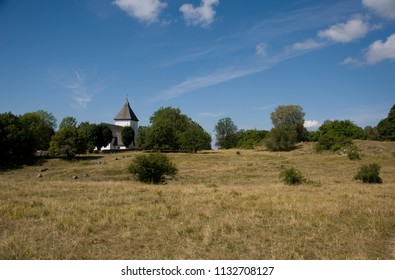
(203,15)
(143,10)
(76,85)
(199,82)
(188,57)
(261,49)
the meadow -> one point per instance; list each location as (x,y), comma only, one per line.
(221,205)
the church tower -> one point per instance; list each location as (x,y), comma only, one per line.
(126,117)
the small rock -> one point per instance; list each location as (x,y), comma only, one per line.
(43,169)
(75,177)
(39,175)
(116,158)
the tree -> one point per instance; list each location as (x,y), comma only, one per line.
(127,135)
(15,141)
(68,122)
(386,127)
(68,142)
(41,126)
(195,138)
(101,136)
(288,128)
(142,137)
(226,134)
(167,124)
(336,135)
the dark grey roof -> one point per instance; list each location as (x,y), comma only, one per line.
(126,113)
(116,134)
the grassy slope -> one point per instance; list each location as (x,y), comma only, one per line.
(220,206)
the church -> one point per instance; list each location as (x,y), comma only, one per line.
(125,117)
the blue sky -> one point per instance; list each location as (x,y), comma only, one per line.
(210,58)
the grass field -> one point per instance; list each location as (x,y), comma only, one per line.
(221,205)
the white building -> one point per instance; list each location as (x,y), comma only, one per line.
(125,117)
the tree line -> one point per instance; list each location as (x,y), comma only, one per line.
(170,130)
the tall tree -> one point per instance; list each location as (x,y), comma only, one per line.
(41,126)
(15,141)
(194,138)
(102,136)
(226,134)
(68,142)
(386,127)
(68,122)
(288,128)
(127,135)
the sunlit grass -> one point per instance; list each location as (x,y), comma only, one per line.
(221,205)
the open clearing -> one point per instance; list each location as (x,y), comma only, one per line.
(221,205)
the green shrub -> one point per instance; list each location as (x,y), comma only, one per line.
(291,176)
(152,168)
(353,155)
(369,173)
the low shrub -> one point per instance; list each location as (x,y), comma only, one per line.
(291,176)
(369,173)
(353,155)
(152,168)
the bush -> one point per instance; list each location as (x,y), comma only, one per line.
(353,155)
(291,176)
(152,168)
(369,174)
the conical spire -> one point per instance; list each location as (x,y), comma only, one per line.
(126,113)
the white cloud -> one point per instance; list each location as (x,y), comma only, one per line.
(352,61)
(379,50)
(353,29)
(312,124)
(203,15)
(143,10)
(384,8)
(308,44)
(261,49)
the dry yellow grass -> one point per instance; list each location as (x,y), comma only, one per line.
(221,205)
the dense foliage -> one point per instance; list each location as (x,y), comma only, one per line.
(386,127)
(226,134)
(68,142)
(369,173)
(291,176)
(22,136)
(288,122)
(127,135)
(152,168)
(338,134)
(249,139)
(172,130)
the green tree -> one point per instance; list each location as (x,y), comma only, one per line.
(335,135)
(226,134)
(68,142)
(101,136)
(41,126)
(371,133)
(386,127)
(195,138)
(127,135)
(288,128)
(15,141)
(68,122)
(142,136)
